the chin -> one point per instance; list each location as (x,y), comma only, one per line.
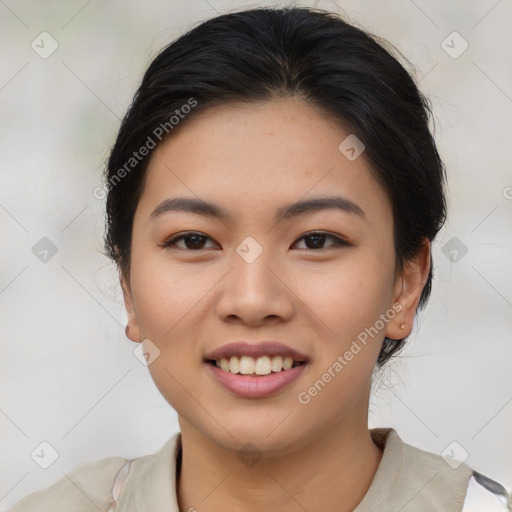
(256,435)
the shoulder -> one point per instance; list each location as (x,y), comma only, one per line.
(430,480)
(87,487)
(96,486)
(417,480)
(481,493)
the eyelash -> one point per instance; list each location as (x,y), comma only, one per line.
(339,242)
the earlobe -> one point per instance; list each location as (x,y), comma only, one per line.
(132,329)
(408,288)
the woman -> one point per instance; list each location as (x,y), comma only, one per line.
(273,194)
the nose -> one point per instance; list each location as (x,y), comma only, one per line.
(256,293)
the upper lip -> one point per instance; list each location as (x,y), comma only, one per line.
(263,348)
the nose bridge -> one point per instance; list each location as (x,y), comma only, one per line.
(253,290)
(251,267)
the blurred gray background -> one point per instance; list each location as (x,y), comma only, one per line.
(69,378)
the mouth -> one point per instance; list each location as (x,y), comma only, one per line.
(257,359)
(256,370)
(255,366)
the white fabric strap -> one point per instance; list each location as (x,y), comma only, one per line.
(486,495)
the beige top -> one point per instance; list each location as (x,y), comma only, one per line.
(407,480)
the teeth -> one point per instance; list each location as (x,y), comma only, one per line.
(263,365)
(287,363)
(247,365)
(277,363)
(234,364)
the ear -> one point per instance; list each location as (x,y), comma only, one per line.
(408,287)
(132,328)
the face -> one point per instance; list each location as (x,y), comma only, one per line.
(313,279)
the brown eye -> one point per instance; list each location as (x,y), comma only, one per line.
(316,240)
(192,241)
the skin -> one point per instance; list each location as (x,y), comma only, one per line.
(252,159)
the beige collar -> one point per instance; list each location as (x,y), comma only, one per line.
(407,480)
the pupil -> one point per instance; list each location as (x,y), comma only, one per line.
(197,240)
(316,238)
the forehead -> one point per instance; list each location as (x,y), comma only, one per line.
(255,158)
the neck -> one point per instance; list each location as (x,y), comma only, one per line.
(338,467)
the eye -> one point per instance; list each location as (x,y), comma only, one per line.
(192,240)
(195,241)
(317,239)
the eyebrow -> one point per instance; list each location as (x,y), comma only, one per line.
(200,207)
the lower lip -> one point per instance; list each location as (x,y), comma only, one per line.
(256,387)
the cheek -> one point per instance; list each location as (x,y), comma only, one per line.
(349,302)
(351,295)
(170,303)
(165,292)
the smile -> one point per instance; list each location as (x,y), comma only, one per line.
(263,365)
(252,385)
